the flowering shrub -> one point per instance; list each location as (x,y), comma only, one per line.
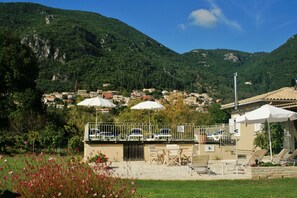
(44,176)
(98,158)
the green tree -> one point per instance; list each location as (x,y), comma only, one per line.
(128,115)
(177,112)
(217,115)
(277,137)
(20,103)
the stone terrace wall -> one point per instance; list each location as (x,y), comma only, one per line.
(272,172)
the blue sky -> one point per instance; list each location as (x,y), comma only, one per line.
(184,25)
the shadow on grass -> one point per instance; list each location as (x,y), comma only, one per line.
(9,194)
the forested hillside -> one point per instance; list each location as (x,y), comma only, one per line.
(82,50)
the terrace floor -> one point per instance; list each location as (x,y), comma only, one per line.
(154,171)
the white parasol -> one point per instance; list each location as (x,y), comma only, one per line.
(96,102)
(148,105)
(267,113)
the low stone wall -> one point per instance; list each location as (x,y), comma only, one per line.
(272,172)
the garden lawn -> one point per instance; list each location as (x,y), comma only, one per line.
(219,188)
(17,163)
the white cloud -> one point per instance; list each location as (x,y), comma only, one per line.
(203,18)
(210,18)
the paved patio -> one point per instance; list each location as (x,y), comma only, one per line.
(154,171)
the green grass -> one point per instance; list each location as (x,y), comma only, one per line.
(219,188)
(17,163)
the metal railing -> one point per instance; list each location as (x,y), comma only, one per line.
(139,132)
(214,134)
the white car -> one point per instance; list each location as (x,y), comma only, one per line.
(216,136)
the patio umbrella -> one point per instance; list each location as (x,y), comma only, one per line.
(96,102)
(267,113)
(148,105)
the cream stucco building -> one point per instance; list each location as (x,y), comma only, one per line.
(285,98)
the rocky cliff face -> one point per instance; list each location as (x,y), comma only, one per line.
(43,48)
(231,57)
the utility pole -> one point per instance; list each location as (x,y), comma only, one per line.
(235,91)
(237,166)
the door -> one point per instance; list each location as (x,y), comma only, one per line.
(133,152)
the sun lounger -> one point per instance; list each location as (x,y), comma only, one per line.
(254,159)
(96,134)
(93,134)
(136,134)
(106,135)
(291,158)
(199,164)
(280,156)
(163,134)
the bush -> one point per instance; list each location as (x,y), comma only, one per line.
(99,158)
(76,144)
(44,176)
(277,137)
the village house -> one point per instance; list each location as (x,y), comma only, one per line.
(191,100)
(136,94)
(107,95)
(93,94)
(83,93)
(150,90)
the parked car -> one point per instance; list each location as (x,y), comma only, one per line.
(216,136)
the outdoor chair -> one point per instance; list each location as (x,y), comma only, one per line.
(94,133)
(254,159)
(165,133)
(280,155)
(154,155)
(195,149)
(173,154)
(106,135)
(291,158)
(187,155)
(136,134)
(199,164)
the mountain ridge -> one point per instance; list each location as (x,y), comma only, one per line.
(90,49)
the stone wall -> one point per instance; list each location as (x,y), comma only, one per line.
(272,172)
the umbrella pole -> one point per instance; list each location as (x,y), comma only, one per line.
(269,137)
(149,122)
(96,119)
(289,134)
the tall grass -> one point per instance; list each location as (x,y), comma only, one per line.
(45,176)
